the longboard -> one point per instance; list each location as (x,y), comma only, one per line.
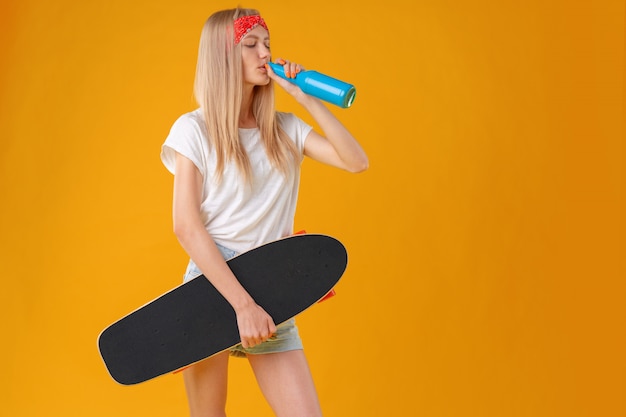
(193,321)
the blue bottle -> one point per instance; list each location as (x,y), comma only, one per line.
(321,86)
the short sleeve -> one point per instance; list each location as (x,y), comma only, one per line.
(295,128)
(186,137)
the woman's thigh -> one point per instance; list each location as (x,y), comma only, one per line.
(206,384)
(286,382)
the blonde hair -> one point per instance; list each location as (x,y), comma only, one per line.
(218,89)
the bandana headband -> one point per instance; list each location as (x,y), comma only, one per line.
(245,24)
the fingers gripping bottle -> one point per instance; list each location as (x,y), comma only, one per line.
(321,86)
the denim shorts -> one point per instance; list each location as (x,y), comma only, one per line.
(286,338)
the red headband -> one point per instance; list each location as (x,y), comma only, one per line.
(245,24)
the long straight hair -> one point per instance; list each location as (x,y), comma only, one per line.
(218,89)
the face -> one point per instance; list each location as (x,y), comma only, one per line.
(255,53)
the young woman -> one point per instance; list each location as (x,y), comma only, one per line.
(236,165)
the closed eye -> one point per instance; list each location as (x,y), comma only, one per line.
(253,45)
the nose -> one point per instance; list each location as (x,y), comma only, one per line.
(264,51)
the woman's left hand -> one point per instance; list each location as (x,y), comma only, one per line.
(338,148)
(291,70)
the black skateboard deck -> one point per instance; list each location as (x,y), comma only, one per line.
(193,321)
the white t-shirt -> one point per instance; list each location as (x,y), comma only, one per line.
(239,215)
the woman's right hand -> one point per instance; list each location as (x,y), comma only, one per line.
(255,325)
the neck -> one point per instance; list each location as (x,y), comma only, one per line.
(246,118)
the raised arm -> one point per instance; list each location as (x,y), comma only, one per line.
(337,147)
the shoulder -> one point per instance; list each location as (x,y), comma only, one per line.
(192,121)
(186,137)
(290,122)
(286,118)
(188,128)
(294,127)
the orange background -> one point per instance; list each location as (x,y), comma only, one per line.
(486,241)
